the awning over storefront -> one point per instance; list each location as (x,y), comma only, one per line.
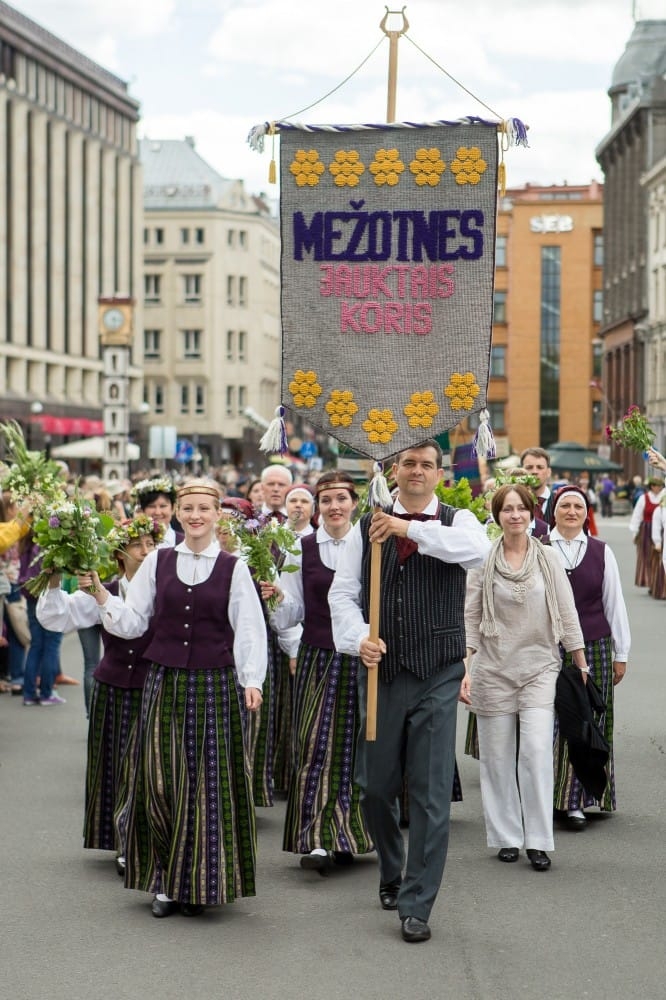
(69,426)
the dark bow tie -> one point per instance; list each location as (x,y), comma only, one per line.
(405,547)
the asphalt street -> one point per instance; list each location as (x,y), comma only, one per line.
(591,927)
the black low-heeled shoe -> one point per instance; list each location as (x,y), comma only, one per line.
(539,860)
(388,895)
(191,909)
(508,854)
(164,907)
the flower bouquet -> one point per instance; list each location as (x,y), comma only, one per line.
(71,536)
(633,431)
(31,475)
(264,546)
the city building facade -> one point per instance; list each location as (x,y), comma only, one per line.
(211,306)
(545,354)
(70,226)
(632,148)
(654,327)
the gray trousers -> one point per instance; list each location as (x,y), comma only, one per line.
(416,738)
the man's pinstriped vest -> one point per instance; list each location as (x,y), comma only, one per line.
(422,607)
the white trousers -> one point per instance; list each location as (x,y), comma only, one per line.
(517,798)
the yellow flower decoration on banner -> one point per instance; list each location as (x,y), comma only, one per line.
(346,168)
(305,389)
(420,409)
(468,165)
(306,167)
(427,167)
(386,167)
(341,407)
(462,390)
(379,426)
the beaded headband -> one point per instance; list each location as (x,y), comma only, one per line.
(206,488)
(334,486)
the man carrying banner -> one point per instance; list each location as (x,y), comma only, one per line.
(427,547)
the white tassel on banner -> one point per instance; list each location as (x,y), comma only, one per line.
(378,491)
(483,444)
(274,440)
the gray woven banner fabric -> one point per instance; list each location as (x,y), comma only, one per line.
(388,250)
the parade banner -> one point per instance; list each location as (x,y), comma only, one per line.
(388,249)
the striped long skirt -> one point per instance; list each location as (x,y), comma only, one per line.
(284,711)
(657,577)
(644,550)
(260,735)
(569,793)
(323,808)
(191,824)
(112,740)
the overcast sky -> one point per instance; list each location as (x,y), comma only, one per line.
(214,68)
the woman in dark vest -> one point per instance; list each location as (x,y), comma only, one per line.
(324,823)
(116,691)
(595,579)
(191,834)
(640,526)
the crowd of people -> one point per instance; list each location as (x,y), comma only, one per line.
(211,689)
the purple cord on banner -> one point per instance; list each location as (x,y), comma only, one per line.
(518,132)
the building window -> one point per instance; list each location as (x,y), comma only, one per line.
(598,305)
(499,307)
(549,382)
(185,398)
(231,238)
(231,290)
(184,236)
(230,401)
(597,359)
(598,252)
(146,236)
(151,343)
(500,251)
(242,342)
(230,345)
(242,399)
(191,343)
(158,405)
(192,288)
(597,416)
(152,288)
(498,362)
(199,236)
(199,399)
(497,412)
(242,239)
(242,291)
(159,236)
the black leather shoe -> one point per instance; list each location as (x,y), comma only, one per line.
(388,895)
(120,865)
(414,929)
(343,859)
(191,909)
(317,863)
(575,823)
(164,907)
(539,860)
(508,854)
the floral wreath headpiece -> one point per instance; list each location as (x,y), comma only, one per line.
(160,484)
(122,534)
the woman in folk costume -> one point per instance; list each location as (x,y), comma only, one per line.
(595,580)
(658,532)
(640,525)
(324,823)
(156,497)
(262,724)
(519,608)
(191,834)
(118,680)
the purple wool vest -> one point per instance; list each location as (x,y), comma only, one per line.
(317,580)
(586,582)
(123,664)
(191,628)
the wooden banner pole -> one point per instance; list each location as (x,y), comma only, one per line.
(376,548)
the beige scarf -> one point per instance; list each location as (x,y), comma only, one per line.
(535,561)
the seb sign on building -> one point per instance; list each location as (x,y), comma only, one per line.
(551,224)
